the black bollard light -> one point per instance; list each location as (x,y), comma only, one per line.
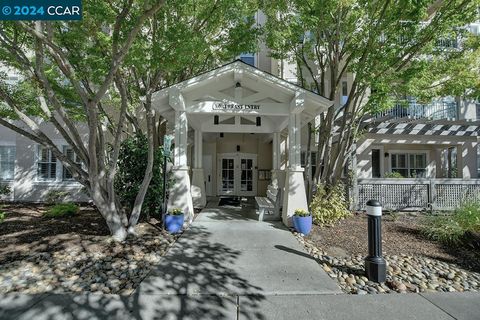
(375,266)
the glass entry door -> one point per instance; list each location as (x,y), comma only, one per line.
(237,174)
(227,182)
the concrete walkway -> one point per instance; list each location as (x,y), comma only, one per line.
(227,266)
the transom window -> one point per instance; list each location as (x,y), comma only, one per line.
(68,151)
(410,165)
(46,164)
(7,162)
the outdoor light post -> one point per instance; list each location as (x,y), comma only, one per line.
(167,143)
(375,266)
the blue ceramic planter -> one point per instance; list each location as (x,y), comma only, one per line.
(174,224)
(302,224)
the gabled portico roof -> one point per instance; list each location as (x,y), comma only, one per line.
(238,89)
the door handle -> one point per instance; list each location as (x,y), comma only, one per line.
(208,178)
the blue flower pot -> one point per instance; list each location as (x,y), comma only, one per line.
(302,224)
(174,224)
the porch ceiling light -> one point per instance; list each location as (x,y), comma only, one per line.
(238,85)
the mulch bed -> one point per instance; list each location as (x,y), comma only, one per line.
(401,234)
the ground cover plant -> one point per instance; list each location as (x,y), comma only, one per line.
(62,210)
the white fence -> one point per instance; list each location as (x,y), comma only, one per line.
(416,194)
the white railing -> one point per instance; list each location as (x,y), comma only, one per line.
(434,111)
(416,194)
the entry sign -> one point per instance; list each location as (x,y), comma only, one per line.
(167,144)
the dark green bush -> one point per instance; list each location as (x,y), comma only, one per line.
(329,207)
(62,210)
(132,163)
(450,229)
(3,216)
(5,190)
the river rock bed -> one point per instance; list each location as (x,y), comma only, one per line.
(405,273)
(94,265)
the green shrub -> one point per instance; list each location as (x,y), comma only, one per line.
(3,216)
(175,212)
(450,229)
(56,196)
(301,213)
(132,163)
(62,210)
(5,190)
(328,208)
(396,175)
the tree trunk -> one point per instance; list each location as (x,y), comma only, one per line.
(137,206)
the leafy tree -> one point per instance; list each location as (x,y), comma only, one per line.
(378,44)
(92,73)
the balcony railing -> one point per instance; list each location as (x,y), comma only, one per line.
(411,110)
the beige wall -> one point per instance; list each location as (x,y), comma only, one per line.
(249,143)
(433,146)
(26,187)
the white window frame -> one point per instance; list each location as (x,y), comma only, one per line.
(37,162)
(408,168)
(303,160)
(4,145)
(75,159)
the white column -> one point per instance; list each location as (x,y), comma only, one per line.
(198,181)
(278,176)
(295,195)
(180,195)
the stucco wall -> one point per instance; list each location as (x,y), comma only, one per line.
(466,146)
(26,186)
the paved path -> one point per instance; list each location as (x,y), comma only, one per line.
(229,267)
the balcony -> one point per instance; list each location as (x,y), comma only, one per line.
(436,110)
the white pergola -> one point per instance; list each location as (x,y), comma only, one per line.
(230,99)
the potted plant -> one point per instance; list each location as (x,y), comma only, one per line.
(302,221)
(174,220)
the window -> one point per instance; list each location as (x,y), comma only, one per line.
(68,151)
(46,164)
(411,165)
(418,165)
(248,58)
(399,164)
(344,92)
(376,170)
(7,162)
(313,161)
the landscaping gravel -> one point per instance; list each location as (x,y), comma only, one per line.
(74,254)
(405,273)
(117,269)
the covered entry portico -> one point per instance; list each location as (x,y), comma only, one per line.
(237,98)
